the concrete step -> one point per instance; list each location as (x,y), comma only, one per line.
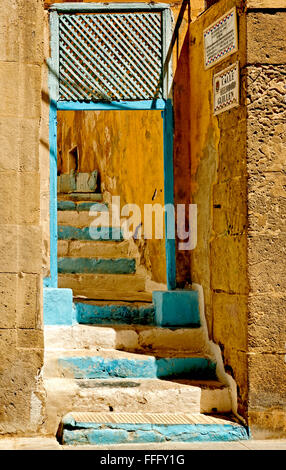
(93,249)
(80,197)
(68,232)
(130,287)
(131,338)
(103,313)
(96,265)
(79,207)
(108,364)
(119,428)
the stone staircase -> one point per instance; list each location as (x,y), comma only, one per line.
(124,372)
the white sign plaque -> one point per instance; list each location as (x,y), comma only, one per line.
(220,39)
(226,89)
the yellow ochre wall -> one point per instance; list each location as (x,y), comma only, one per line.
(126,147)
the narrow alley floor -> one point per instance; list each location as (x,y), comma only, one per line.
(42,443)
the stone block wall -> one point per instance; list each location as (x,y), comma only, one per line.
(21,336)
(266,156)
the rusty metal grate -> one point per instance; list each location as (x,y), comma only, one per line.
(110,56)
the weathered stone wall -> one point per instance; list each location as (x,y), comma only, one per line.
(21,337)
(266,156)
(219,187)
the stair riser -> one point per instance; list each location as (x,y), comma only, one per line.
(70,206)
(129,339)
(114,314)
(96,367)
(66,232)
(96,266)
(83,219)
(93,249)
(106,287)
(142,433)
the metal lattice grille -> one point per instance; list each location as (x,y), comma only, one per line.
(110,56)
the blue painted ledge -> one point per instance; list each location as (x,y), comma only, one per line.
(96,266)
(58,306)
(177,308)
(120,433)
(66,232)
(87,313)
(97,367)
(82,206)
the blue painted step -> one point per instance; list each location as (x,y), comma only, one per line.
(66,232)
(117,428)
(96,265)
(128,314)
(82,206)
(98,367)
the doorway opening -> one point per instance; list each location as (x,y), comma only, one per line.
(110,176)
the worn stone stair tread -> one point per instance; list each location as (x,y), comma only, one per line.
(82,197)
(92,249)
(85,215)
(98,428)
(106,286)
(127,337)
(117,354)
(79,418)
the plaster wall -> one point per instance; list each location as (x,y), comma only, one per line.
(126,147)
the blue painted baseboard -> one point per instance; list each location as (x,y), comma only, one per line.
(177,308)
(128,314)
(97,367)
(74,433)
(96,265)
(66,232)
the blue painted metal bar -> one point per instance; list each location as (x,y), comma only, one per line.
(112,106)
(169,196)
(108,7)
(53,197)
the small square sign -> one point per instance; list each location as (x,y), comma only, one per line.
(226,89)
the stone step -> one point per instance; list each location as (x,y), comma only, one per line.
(128,287)
(79,207)
(102,313)
(68,232)
(80,197)
(96,265)
(131,338)
(108,364)
(93,249)
(86,219)
(119,428)
(121,395)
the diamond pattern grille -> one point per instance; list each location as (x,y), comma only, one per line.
(110,56)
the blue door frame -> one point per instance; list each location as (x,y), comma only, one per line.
(167,113)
